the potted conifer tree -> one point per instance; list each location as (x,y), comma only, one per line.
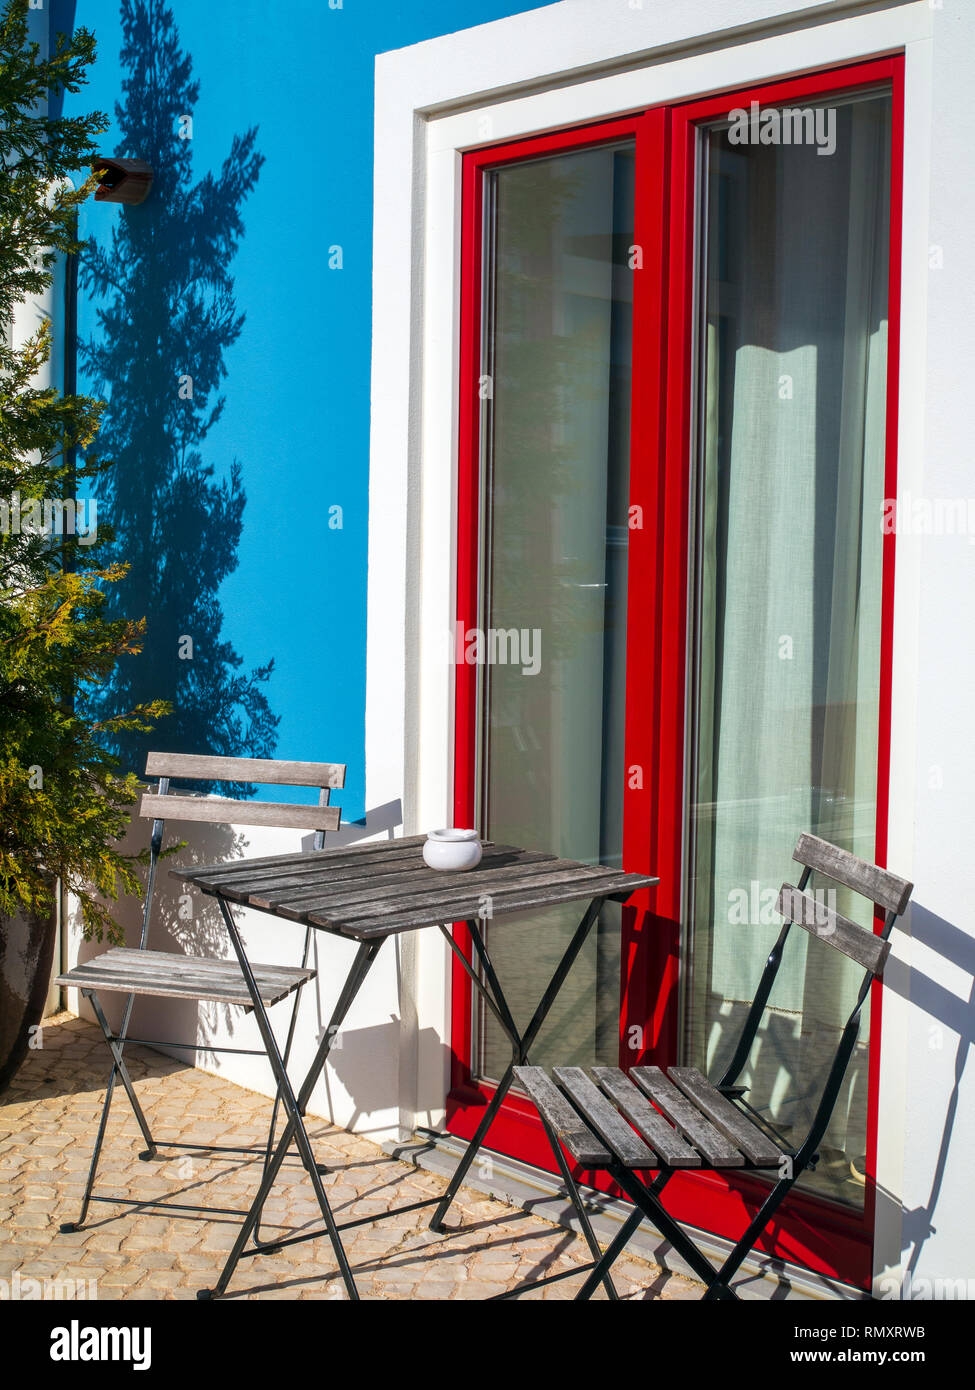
(63,801)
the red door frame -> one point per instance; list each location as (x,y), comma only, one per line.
(816,1233)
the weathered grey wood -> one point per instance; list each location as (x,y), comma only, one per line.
(661,1136)
(688,1119)
(198,988)
(605,1119)
(228,811)
(581,1143)
(263,771)
(839,932)
(290,899)
(124,971)
(159,965)
(449,889)
(757,1147)
(418,888)
(618,887)
(210,875)
(384,887)
(176,960)
(879,885)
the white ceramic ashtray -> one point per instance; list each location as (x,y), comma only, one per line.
(452,850)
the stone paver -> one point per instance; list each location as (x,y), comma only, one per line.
(47,1127)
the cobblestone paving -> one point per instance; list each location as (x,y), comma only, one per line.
(48,1119)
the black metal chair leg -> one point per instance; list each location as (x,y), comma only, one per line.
(647,1200)
(609,1256)
(68,1226)
(622,1238)
(155,846)
(122,1071)
(575,1198)
(755,1228)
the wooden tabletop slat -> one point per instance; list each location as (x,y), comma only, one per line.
(233,868)
(405,896)
(316,868)
(382,887)
(369,878)
(316,881)
(620,886)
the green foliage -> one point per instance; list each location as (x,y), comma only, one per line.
(63,805)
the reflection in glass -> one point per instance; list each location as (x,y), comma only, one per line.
(794,364)
(555,451)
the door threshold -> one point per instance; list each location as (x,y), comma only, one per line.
(541,1194)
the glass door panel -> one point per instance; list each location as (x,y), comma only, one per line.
(793,371)
(554,469)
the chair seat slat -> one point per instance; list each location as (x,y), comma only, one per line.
(661,1136)
(692,1124)
(757,1147)
(162,973)
(580,1141)
(605,1119)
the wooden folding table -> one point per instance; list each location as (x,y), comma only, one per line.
(366,894)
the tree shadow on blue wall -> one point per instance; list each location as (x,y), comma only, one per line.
(167,316)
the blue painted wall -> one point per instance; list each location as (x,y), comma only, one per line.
(297,376)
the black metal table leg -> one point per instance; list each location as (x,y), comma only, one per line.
(269,1147)
(520,1044)
(294,1108)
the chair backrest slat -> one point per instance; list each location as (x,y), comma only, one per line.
(227,810)
(266,771)
(819,920)
(879,885)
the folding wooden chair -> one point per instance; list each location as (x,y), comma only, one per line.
(122,970)
(663,1123)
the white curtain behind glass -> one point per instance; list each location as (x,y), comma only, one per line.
(789,603)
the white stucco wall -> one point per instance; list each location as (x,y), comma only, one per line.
(585,59)
(939,1120)
(580,60)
